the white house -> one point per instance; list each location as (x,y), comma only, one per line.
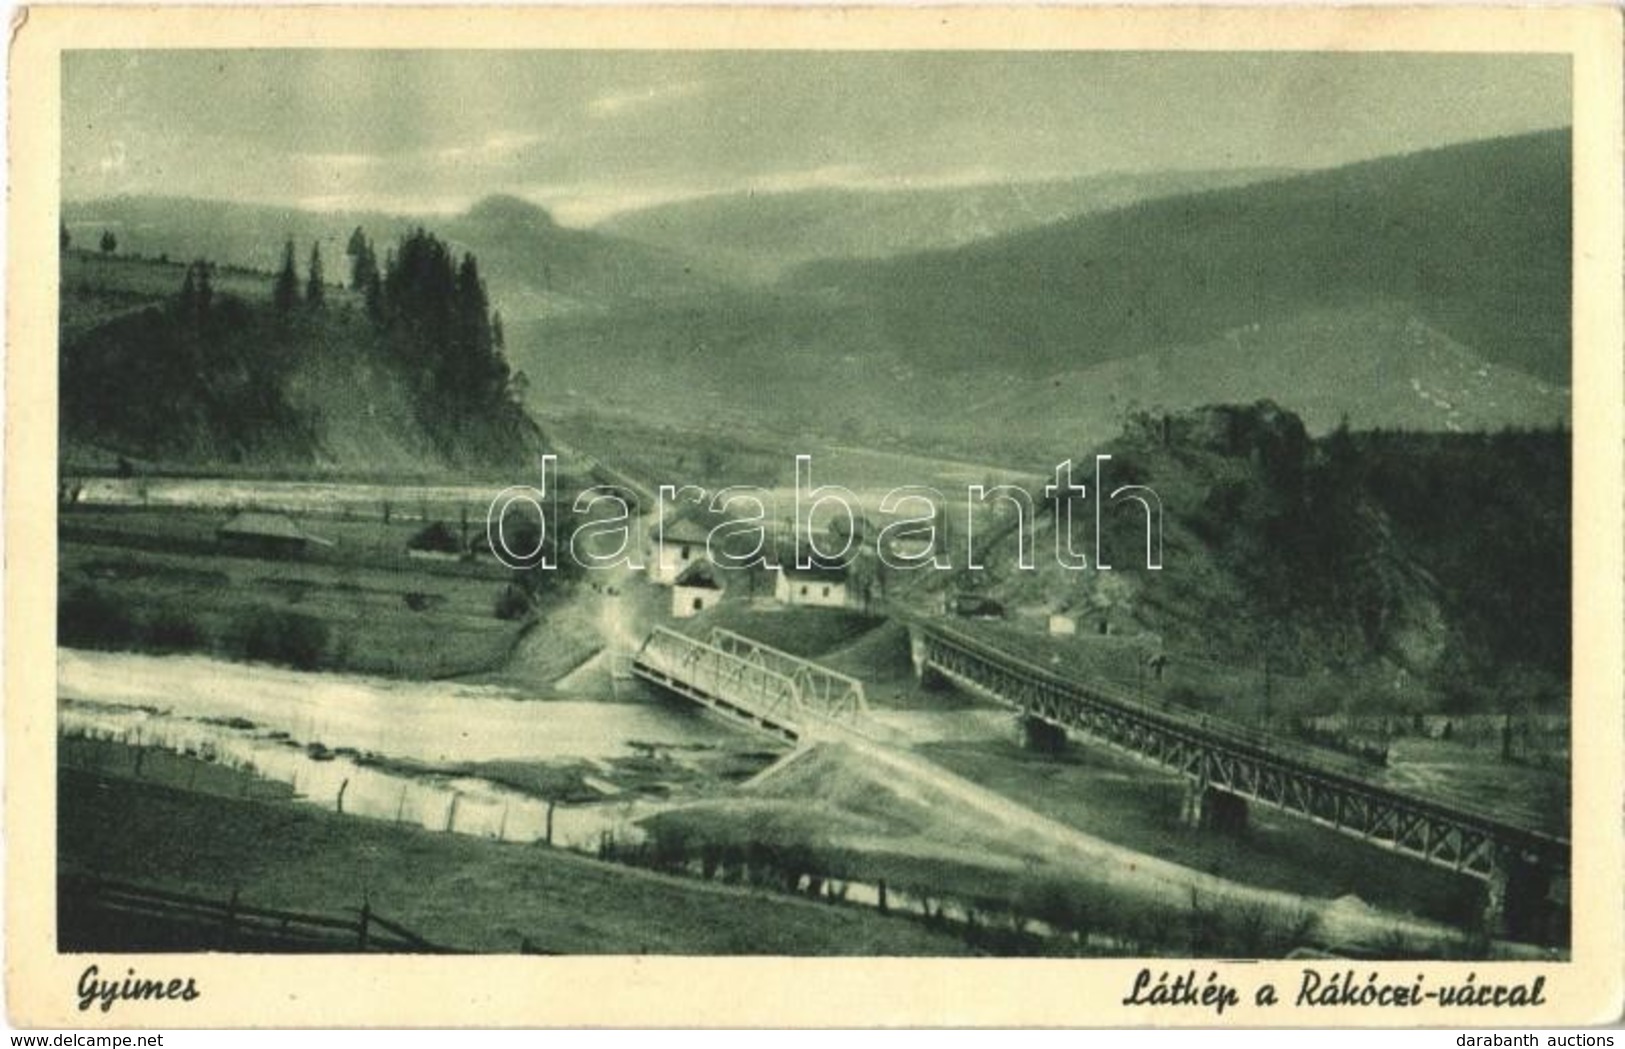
(695,590)
(682,545)
(823,586)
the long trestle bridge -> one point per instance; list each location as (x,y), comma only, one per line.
(1228,767)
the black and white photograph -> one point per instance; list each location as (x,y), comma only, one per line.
(933,503)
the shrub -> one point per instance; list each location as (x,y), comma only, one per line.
(512,603)
(438,538)
(1052,900)
(283,637)
(172,631)
(93,618)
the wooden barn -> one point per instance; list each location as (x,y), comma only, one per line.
(259,534)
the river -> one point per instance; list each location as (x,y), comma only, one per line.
(439,722)
(184,703)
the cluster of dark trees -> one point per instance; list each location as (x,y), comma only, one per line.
(436,316)
(207,374)
(430,313)
(1489,517)
(433,314)
(1354,534)
(90,616)
(285,290)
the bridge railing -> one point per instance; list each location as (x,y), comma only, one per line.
(760,690)
(1202,725)
(752,683)
(828,693)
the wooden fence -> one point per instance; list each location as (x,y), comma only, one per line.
(93,911)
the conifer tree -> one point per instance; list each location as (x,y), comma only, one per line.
(363,266)
(285,293)
(188,303)
(315,289)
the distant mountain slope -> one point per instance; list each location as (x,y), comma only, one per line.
(800,366)
(1476,238)
(1428,291)
(759,235)
(539,268)
(1377,365)
(535,267)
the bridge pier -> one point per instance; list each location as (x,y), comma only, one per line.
(1515,897)
(919,654)
(1042,737)
(1208,809)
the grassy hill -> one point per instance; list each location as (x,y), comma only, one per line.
(1475,238)
(1368,571)
(147,377)
(757,236)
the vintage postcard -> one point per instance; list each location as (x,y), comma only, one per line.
(814,516)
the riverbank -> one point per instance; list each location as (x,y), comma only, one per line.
(661,785)
(353,600)
(190,826)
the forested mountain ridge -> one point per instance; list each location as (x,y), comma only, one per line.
(1420,571)
(404,367)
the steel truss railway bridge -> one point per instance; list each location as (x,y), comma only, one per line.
(1226,767)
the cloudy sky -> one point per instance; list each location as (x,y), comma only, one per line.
(590,133)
